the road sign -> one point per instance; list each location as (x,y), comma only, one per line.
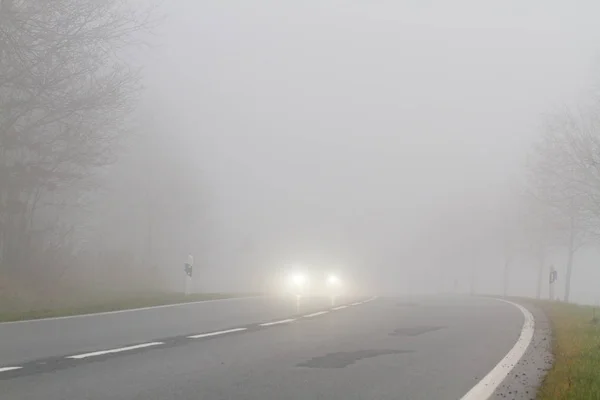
(553,275)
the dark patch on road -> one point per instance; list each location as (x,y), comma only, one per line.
(415,330)
(345,358)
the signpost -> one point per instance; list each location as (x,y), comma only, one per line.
(551,279)
(188,269)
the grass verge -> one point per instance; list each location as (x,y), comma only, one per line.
(10,312)
(576,346)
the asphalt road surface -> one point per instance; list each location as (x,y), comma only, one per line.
(260,348)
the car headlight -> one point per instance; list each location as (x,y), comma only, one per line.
(298,279)
(333,280)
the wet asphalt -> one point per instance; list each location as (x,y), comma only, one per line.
(390,348)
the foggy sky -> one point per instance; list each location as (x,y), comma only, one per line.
(341,132)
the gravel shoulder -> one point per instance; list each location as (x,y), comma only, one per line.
(527,376)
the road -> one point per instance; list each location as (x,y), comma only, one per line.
(387,348)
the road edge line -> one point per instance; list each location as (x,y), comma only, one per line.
(130,310)
(486,387)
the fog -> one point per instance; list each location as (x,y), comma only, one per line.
(383,139)
(341,132)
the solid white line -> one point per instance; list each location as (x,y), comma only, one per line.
(4,369)
(102,352)
(486,387)
(339,308)
(356,304)
(283,321)
(216,333)
(130,310)
(315,314)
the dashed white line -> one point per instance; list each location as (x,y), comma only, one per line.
(5,369)
(102,352)
(283,321)
(315,314)
(202,335)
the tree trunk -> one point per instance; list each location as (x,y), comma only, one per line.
(505,289)
(570,261)
(568,275)
(540,278)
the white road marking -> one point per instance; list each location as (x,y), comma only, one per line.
(216,333)
(315,314)
(371,299)
(486,387)
(4,369)
(283,321)
(356,304)
(339,308)
(102,352)
(131,310)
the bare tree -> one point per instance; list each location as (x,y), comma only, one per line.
(65,94)
(565,177)
(542,229)
(514,242)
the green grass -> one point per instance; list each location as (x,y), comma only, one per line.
(17,311)
(576,346)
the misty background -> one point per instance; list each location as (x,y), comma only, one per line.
(388,140)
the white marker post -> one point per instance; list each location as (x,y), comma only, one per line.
(188,268)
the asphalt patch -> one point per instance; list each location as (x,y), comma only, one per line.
(345,358)
(415,330)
